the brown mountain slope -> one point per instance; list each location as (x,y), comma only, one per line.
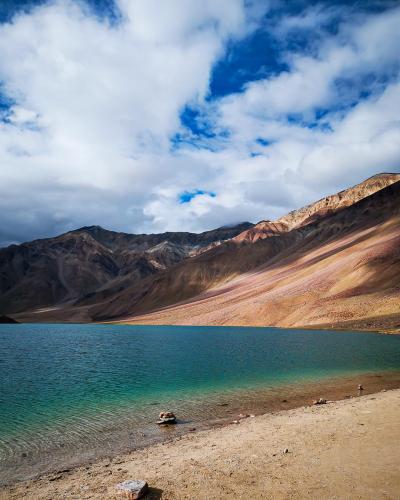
(82,263)
(321,208)
(343,267)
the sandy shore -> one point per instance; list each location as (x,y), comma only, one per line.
(346,449)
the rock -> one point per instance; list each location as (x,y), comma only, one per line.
(236,422)
(252,416)
(285,450)
(166,417)
(243,415)
(360,387)
(132,489)
(320,401)
(55,478)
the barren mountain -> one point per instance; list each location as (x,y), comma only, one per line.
(77,265)
(335,263)
(319,209)
(341,267)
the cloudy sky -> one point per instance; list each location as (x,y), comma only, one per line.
(155,115)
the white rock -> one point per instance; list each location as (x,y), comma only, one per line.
(132,489)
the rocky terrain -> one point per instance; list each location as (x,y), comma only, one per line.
(334,263)
(52,272)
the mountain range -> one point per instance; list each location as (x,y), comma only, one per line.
(334,263)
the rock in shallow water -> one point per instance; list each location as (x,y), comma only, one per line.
(132,489)
(166,417)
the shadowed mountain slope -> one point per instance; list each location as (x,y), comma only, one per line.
(45,273)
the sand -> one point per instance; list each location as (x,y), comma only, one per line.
(345,449)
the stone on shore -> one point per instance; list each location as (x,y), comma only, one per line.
(320,401)
(132,489)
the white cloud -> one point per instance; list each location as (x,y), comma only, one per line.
(97,103)
(88,140)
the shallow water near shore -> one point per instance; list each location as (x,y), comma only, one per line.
(71,393)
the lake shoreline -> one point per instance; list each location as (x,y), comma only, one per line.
(284,398)
(343,447)
(322,327)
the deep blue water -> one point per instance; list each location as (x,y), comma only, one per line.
(73,382)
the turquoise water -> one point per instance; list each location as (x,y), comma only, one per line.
(66,387)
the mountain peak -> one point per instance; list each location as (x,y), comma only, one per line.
(314,211)
(89,229)
(337,201)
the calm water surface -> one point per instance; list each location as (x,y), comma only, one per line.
(78,387)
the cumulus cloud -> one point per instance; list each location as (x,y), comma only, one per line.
(90,136)
(96,104)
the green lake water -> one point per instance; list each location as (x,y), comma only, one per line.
(78,388)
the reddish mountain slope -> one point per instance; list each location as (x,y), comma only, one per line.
(335,263)
(342,268)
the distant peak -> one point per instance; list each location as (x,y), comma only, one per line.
(384,174)
(90,229)
(236,225)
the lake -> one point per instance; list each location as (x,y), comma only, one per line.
(70,393)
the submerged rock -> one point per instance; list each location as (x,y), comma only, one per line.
(132,489)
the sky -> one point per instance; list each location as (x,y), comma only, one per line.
(180,115)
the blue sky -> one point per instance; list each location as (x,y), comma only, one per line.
(185,115)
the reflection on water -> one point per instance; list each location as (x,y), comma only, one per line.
(76,391)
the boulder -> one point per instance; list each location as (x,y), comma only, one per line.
(166,417)
(320,401)
(132,489)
